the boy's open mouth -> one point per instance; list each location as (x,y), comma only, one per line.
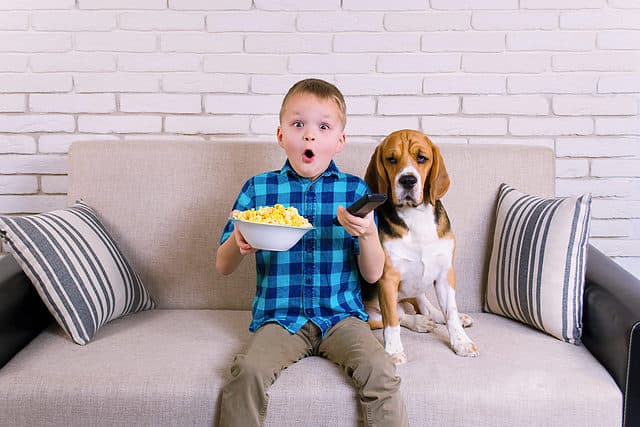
(308,155)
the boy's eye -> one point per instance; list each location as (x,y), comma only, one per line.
(324,126)
(297,124)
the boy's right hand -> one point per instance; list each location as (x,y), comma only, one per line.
(244,247)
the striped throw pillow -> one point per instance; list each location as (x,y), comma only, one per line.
(76,267)
(537,267)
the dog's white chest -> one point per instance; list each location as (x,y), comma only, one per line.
(420,256)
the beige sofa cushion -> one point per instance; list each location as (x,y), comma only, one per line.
(166,367)
(166,204)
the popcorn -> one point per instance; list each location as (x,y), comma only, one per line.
(277,214)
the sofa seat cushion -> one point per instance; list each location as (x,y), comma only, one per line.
(166,367)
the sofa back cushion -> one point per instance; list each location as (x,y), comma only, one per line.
(167,202)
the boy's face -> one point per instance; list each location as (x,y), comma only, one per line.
(311,133)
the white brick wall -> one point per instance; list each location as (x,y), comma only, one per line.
(559,73)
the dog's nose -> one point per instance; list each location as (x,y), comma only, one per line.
(408,181)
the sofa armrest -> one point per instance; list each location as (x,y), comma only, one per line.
(22,313)
(611,326)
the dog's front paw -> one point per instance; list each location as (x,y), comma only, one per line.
(399,358)
(465,348)
(418,323)
(466,320)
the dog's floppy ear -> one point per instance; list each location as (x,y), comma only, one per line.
(438,177)
(376,176)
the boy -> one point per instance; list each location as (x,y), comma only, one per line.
(308,299)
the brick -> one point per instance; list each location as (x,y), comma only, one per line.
(163,137)
(598,147)
(280,84)
(297,5)
(76,61)
(615,168)
(618,126)
(61,143)
(619,83)
(242,104)
(610,228)
(379,84)
(562,4)
(287,43)
(417,105)
(122,4)
(159,62)
(454,41)
(618,40)
(474,4)
(572,168)
(427,21)
(18,144)
(264,125)
(14,63)
(570,105)
(31,204)
(506,62)
(601,19)
(550,126)
(36,4)
(116,82)
(210,5)
(513,105)
(14,21)
(556,83)
(501,140)
(464,83)
(73,21)
(207,124)
(612,208)
(18,184)
(363,105)
(131,123)
(72,103)
(34,42)
(161,21)
(201,42)
(37,123)
(551,40)
(33,164)
(514,20)
(251,22)
(55,184)
(116,42)
(605,187)
(160,103)
(598,61)
(35,83)
(434,125)
(376,42)
(199,82)
(339,21)
(12,103)
(379,126)
(245,64)
(332,64)
(418,63)
(384,5)
(619,247)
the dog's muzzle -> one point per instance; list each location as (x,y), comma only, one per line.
(408,188)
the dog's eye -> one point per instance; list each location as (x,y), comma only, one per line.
(392,160)
(421,158)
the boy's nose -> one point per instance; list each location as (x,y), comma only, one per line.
(309,136)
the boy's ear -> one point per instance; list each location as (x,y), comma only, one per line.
(279,136)
(341,142)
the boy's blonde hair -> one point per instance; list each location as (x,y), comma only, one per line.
(321,89)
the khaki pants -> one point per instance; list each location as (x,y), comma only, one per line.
(350,344)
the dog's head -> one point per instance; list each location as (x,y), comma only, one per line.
(408,168)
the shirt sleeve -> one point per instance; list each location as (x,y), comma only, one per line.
(244,201)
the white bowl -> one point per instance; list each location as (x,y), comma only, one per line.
(270,237)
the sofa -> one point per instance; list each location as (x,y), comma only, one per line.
(165,204)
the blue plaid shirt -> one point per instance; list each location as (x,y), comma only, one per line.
(317,279)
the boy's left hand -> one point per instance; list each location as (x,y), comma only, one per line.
(356,226)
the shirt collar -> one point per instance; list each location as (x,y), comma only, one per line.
(332,170)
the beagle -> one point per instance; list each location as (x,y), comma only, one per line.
(418,242)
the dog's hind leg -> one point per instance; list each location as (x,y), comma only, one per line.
(414,321)
(431,311)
